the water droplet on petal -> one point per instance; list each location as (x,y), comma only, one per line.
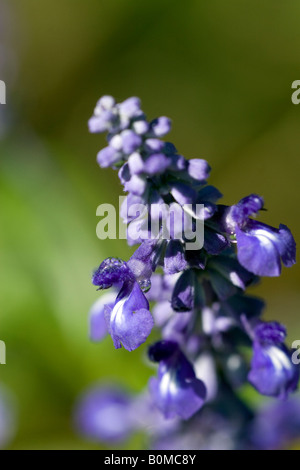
(145,285)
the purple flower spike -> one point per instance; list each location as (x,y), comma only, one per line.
(198,298)
(176,391)
(129,322)
(272,370)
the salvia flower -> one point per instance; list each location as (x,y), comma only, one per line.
(260,248)
(128,320)
(272,370)
(176,391)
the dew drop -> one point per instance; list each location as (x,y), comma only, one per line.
(145,285)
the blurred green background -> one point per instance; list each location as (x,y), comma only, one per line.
(221,70)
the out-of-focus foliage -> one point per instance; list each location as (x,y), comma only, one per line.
(221,70)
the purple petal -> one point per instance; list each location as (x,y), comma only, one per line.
(115,142)
(108,157)
(246,207)
(198,169)
(214,242)
(130,141)
(136,163)
(136,185)
(174,261)
(106,102)
(112,271)
(140,127)
(100,123)
(188,293)
(156,163)
(277,424)
(270,333)
(124,173)
(130,107)
(143,262)
(178,163)
(154,145)
(272,371)
(130,320)
(258,249)
(98,329)
(286,246)
(130,200)
(176,327)
(184,400)
(161,287)
(160,126)
(105,414)
(162,312)
(205,212)
(205,370)
(183,193)
(176,391)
